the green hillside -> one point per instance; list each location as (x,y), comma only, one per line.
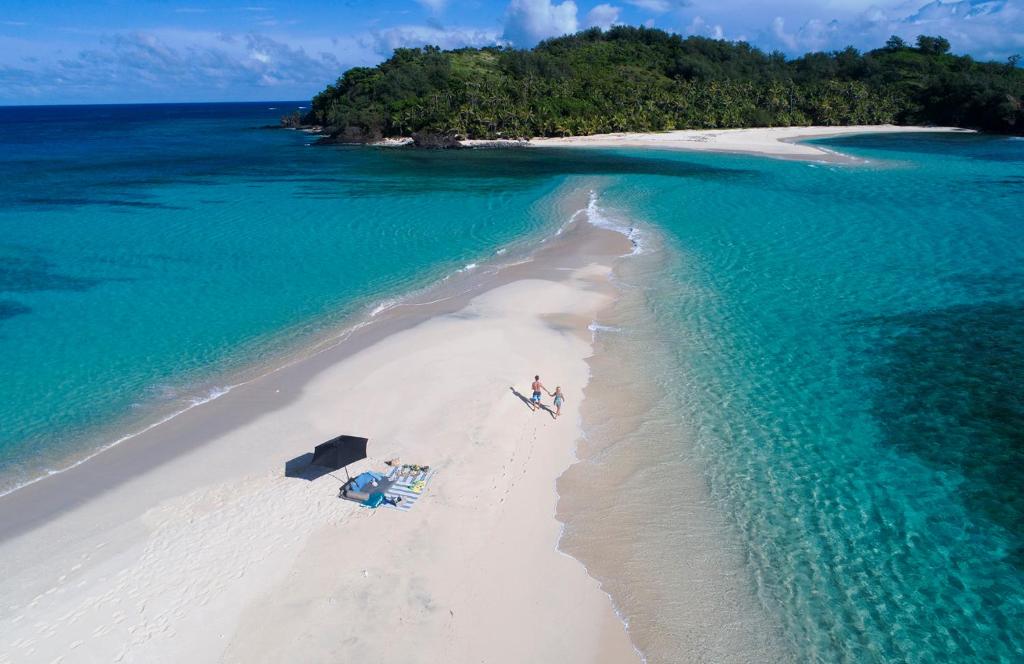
(640,79)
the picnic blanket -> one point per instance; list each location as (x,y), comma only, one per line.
(409,487)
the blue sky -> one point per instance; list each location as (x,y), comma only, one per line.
(169,50)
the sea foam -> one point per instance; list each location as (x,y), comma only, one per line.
(597,216)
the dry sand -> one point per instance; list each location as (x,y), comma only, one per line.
(778,142)
(781,142)
(191,544)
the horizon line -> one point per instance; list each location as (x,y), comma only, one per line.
(158,103)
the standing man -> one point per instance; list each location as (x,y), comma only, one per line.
(537,386)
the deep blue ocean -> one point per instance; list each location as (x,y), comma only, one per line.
(846,342)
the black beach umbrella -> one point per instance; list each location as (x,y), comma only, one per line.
(339,452)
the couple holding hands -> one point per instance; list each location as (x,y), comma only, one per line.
(535,403)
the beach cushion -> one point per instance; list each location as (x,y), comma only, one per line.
(362,480)
(357,496)
(375,499)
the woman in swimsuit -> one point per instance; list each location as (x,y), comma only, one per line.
(559,400)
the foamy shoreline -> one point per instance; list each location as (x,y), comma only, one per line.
(778,142)
(637,503)
(190,544)
(297,350)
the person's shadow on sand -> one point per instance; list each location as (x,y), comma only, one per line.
(529,404)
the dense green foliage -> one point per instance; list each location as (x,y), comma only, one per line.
(640,79)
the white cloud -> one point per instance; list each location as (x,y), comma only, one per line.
(529,21)
(387,40)
(938,10)
(698,26)
(986,29)
(983,28)
(779,30)
(817,35)
(171,64)
(175,64)
(603,16)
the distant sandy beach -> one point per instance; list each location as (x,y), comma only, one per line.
(211,553)
(777,142)
(780,142)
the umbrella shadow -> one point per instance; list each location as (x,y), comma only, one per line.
(529,404)
(301,468)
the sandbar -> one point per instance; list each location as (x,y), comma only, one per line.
(191,543)
(779,142)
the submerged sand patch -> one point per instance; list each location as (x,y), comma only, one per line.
(637,505)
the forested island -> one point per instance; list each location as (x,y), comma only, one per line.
(630,79)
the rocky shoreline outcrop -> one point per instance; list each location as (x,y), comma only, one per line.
(421,139)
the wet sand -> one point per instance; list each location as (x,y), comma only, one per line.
(637,505)
(190,543)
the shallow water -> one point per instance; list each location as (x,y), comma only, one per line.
(150,251)
(816,447)
(846,349)
(153,256)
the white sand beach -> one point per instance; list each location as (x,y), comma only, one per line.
(204,550)
(781,142)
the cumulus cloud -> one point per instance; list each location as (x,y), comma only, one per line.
(983,28)
(813,35)
(192,64)
(603,16)
(698,26)
(529,21)
(819,35)
(177,64)
(385,41)
(939,10)
(779,30)
(152,66)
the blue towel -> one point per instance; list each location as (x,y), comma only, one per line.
(374,500)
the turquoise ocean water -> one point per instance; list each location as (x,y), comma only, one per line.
(847,352)
(852,338)
(148,251)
